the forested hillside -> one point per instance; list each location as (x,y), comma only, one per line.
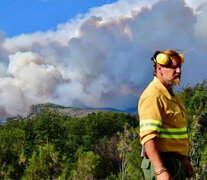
(97,146)
(56,146)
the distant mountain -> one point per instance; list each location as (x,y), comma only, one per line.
(37,109)
(71,111)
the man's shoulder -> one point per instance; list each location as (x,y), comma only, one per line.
(151,91)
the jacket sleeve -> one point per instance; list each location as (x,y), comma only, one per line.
(150,117)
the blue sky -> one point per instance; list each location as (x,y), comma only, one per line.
(99,59)
(27,16)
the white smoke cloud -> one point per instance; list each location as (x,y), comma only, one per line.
(3,52)
(27,42)
(195,4)
(201,26)
(101,58)
(200,9)
(63,34)
(3,70)
(30,81)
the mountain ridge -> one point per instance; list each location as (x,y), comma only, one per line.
(72,111)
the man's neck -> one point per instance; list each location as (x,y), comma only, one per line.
(168,86)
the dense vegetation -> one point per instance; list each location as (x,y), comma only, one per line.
(53,146)
(195,101)
(98,146)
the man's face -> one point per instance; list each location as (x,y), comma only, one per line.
(172,72)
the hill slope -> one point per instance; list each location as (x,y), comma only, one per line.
(70,111)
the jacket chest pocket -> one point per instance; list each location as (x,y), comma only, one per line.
(175,116)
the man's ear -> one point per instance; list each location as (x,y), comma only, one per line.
(159,69)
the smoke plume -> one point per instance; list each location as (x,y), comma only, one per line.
(102,58)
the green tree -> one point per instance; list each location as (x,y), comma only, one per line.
(195,100)
(110,162)
(12,159)
(43,146)
(48,127)
(44,164)
(130,149)
(87,166)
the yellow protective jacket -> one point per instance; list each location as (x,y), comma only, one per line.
(162,115)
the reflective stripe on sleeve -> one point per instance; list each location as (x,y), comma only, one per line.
(150,124)
(173,133)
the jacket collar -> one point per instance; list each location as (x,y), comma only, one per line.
(160,87)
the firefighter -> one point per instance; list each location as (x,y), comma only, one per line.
(163,128)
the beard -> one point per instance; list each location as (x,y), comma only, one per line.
(172,82)
(176,82)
